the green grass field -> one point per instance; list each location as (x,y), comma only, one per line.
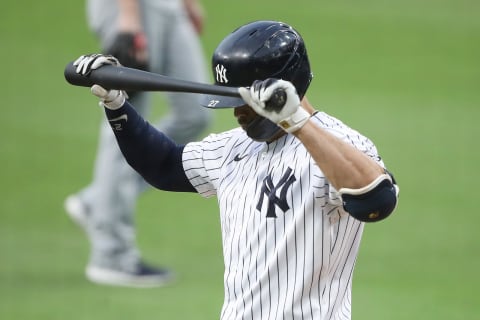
(405,73)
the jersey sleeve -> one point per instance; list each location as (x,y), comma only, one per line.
(202,162)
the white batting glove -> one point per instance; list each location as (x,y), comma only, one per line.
(286,113)
(86,63)
(110,99)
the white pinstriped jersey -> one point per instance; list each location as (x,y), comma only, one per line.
(289,247)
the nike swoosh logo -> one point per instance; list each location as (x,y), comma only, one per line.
(118,126)
(238,158)
(122,117)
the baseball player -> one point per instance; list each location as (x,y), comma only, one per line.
(294,185)
(161,35)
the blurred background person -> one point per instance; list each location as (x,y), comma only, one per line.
(161,36)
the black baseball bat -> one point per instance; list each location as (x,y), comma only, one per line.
(129,79)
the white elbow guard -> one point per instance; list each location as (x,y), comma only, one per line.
(373,202)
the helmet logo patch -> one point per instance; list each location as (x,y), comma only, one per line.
(221,73)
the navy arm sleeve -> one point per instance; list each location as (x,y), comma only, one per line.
(147,150)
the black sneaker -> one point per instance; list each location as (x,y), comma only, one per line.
(144,277)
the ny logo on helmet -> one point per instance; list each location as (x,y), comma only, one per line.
(221,73)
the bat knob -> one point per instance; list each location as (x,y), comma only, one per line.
(277,100)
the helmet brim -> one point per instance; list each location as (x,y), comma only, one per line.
(220,102)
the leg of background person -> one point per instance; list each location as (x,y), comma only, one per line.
(176,51)
(112,197)
(110,203)
(106,207)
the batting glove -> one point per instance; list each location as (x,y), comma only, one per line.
(111,99)
(86,63)
(283,109)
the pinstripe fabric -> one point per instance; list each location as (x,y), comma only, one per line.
(297,262)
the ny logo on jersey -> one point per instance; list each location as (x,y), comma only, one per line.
(221,74)
(270,190)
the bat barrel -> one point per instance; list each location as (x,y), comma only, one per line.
(76,79)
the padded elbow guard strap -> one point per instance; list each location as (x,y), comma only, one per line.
(372,203)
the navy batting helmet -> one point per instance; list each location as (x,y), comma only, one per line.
(257,51)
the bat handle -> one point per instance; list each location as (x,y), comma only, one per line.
(277,100)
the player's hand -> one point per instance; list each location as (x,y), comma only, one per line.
(285,112)
(130,48)
(111,99)
(86,63)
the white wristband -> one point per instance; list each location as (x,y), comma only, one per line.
(295,121)
(110,99)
